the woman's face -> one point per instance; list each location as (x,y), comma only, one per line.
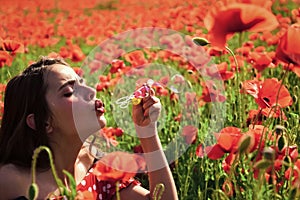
(72,103)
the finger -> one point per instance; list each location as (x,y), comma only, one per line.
(153,112)
(152,92)
(149,102)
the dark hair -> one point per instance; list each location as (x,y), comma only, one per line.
(26,94)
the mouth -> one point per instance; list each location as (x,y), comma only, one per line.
(99,107)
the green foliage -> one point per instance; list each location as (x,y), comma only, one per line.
(195,177)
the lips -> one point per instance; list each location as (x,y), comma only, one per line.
(99,107)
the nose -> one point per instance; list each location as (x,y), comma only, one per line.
(89,93)
(92,93)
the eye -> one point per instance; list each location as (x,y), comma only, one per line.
(68,94)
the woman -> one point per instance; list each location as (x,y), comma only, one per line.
(38,110)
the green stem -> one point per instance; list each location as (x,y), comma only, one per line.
(269,114)
(240,108)
(118,191)
(158,191)
(53,170)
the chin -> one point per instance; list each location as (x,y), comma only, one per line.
(102,121)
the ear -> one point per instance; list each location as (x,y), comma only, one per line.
(30,121)
(49,127)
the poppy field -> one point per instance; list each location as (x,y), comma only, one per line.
(227,73)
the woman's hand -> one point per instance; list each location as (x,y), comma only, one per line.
(145,116)
(146,113)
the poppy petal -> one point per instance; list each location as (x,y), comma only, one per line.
(214,152)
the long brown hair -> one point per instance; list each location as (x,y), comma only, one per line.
(26,94)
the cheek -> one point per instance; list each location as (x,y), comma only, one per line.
(85,119)
(62,113)
(64,108)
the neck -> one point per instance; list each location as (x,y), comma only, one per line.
(65,151)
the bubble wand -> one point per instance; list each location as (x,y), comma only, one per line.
(137,96)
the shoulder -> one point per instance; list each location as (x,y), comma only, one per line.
(83,163)
(13,181)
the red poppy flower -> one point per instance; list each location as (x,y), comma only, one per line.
(211,92)
(288,49)
(136,58)
(178,117)
(64,52)
(266,94)
(119,166)
(227,141)
(160,90)
(255,134)
(174,42)
(273,112)
(220,71)
(228,161)
(77,54)
(118,132)
(95,65)
(12,46)
(251,87)
(5,59)
(138,149)
(110,134)
(109,52)
(269,94)
(260,60)
(265,4)
(190,134)
(144,41)
(293,172)
(223,21)
(214,152)
(255,117)
(291,151)
(79,71)
(200,151)
(116,66)
(228,138)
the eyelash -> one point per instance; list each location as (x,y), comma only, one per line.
(68,94)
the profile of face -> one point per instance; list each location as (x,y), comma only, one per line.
(73,104)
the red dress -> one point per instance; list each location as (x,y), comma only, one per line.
(102,190)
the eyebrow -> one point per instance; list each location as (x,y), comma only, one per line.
(69,82)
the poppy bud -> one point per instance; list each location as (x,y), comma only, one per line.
(262,164)
(200,41)
(279,129)
(269,153)
(245,143)
(33,191)
(281,143)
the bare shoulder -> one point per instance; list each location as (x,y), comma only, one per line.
(13,182)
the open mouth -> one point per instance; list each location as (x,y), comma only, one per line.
(99,106)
